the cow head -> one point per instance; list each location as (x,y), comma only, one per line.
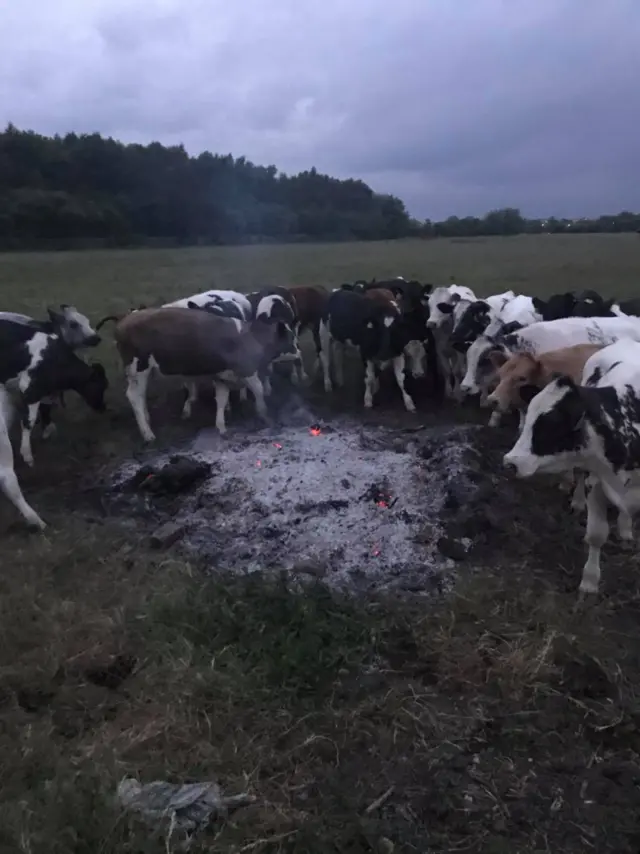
(471,325)
(276,338)
(74,328)
(481,372)
(514,373)
(591,304)
(556,307)
(441,306)
(553,433)
(93,386)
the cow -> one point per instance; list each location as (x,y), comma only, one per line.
(231,304)
(450,363)
(593,425)
(277,305)
(372,323)
(515,314)
(522,375)
(309,305)
(224,303)
(41,365)
(542,337)
(586,303)
(179,342)
(66,321)
(470,319)
(9,485)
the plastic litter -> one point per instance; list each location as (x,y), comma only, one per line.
(189,807)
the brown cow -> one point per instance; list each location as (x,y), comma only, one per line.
(194,345)
(522,369)
(310,304)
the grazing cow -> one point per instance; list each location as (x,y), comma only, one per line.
(179,342)
(40,365)
(594,426)
(373,323)
(277,305)
(9,485)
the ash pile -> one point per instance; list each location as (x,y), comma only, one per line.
(362,507)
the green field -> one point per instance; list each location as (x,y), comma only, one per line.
(316,706)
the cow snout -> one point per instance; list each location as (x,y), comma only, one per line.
(93,340)
(521,466)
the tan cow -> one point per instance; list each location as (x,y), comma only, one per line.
(522,369)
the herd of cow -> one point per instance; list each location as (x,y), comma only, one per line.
(569,364)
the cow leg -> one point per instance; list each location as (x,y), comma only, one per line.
(625,527)
(370,383)
(318,346)
(596,536)
(266,382)
(324,353)
(29,419)
(9,485)
(339,349)
(192,396)
(255,387)
(398,371)
(579,497)
(222,399)
(243,395)
(136,393)
(48,427)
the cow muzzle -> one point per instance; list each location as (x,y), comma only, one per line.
(521,466)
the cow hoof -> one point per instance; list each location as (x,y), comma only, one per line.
(28,459)
(368,404)
(409,406)
(149,437)
(328,388)
(35,523)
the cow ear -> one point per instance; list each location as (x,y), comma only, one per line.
(445,307)
(54,315)
(538,304)
(497,357)
(192,304)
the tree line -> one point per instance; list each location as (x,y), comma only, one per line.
(87,190)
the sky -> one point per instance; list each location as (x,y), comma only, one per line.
(456,106)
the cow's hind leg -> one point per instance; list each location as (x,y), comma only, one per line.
(137,382)
(324,353)
(398,370)
(192,396)
(29,418)
(370,383)
(596,536)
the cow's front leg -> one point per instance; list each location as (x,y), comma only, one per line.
(29,418)
(9,482)
(596,536)
(222,399)
(370,383)
(254,385)
(398,371)
(192,395)
(136,393)
(325,354)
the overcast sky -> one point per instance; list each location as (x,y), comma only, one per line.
(457,106)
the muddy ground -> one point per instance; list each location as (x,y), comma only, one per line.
(459,686)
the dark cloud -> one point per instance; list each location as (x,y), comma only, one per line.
(456,107)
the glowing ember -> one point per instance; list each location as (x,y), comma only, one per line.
(258,463)
(375,552)
(315,431)
(382,503)
(277,445)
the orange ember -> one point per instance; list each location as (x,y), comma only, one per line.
(258,463)
(277,445)
(382,503)
(315,431)
(376,551)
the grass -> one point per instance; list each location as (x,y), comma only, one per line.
(496,720)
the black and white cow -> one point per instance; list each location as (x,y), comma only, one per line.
(40,365)
(9,485)
(588,303)
(470,319)
(373,324)
(593,426)
(277,305)
(451,363)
